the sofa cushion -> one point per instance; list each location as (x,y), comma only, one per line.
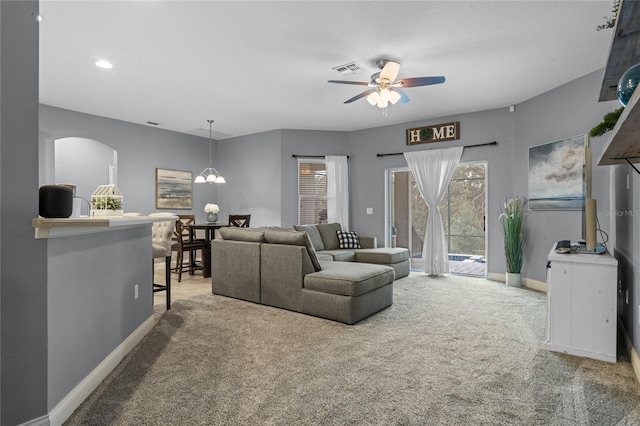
(242,234)
(349,279)
(328,233)
(340,255)
(323,257)
(280,228)
(316,240)
(294,238)
(348,240)
(382,256)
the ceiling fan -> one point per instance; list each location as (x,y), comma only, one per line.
(385,88)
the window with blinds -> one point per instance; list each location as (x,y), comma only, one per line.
(312,192)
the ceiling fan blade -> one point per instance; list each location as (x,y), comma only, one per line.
(403,96)
(359,83)
(390,71)
(420,81)
(360,96)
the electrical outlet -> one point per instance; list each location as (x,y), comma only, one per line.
(135,292)
(369,210)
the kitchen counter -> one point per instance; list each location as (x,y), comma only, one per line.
(51,228)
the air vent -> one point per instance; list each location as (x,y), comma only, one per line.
(349,69)
(205,133)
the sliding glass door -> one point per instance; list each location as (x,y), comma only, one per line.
(463,217)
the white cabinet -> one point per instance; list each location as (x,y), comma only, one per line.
(581,304)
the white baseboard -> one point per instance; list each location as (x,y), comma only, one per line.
(496,277)
(540,286)
(40,421)
(65,408)
(633,355)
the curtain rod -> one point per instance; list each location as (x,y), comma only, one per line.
(467,146)
(309,156)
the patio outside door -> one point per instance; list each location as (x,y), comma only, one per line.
(463,217)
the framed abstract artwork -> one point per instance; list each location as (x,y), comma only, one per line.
(173,189)
(556,174)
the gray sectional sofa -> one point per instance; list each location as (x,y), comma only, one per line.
(327,245)
(282,268)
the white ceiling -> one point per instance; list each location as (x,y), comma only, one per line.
(264,65)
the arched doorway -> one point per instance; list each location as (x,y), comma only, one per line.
(85,163)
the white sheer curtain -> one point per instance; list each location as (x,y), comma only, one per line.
(337,190)
(432,171)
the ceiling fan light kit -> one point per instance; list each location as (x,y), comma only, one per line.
(385,89)
(382,98)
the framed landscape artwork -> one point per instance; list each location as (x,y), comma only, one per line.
(556,175)
(173,189)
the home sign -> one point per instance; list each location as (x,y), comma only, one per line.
(434,133)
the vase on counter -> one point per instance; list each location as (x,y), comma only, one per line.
(212,217)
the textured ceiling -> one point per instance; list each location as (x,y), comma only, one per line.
(264,65)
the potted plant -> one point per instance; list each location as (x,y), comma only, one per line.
(212,212)
(608,123)
(106,201)
(512,221)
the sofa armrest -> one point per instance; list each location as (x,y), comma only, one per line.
(235,269)
(368,242)
(282,271)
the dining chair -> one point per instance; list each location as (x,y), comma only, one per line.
(239,220)
(184,243)
(188,220)
(161,239)
(188,233)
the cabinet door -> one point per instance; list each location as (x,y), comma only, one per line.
(605,312)
(593,305)
(559,304)
(583,303)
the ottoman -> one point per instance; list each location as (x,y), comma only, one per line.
(347,292)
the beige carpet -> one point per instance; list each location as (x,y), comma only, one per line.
(452,350)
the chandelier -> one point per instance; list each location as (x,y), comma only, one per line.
(209,175)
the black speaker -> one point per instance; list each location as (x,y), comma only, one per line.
(56,201)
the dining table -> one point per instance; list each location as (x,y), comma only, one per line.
(209,234)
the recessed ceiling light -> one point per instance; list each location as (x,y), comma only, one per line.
(104,64)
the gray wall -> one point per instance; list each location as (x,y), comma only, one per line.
(565,111)
(261,175)
(569,110)
(23,269)
(368,170)
(305,142)
(84,163)
(141,149)
(91,306)
(251,167)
